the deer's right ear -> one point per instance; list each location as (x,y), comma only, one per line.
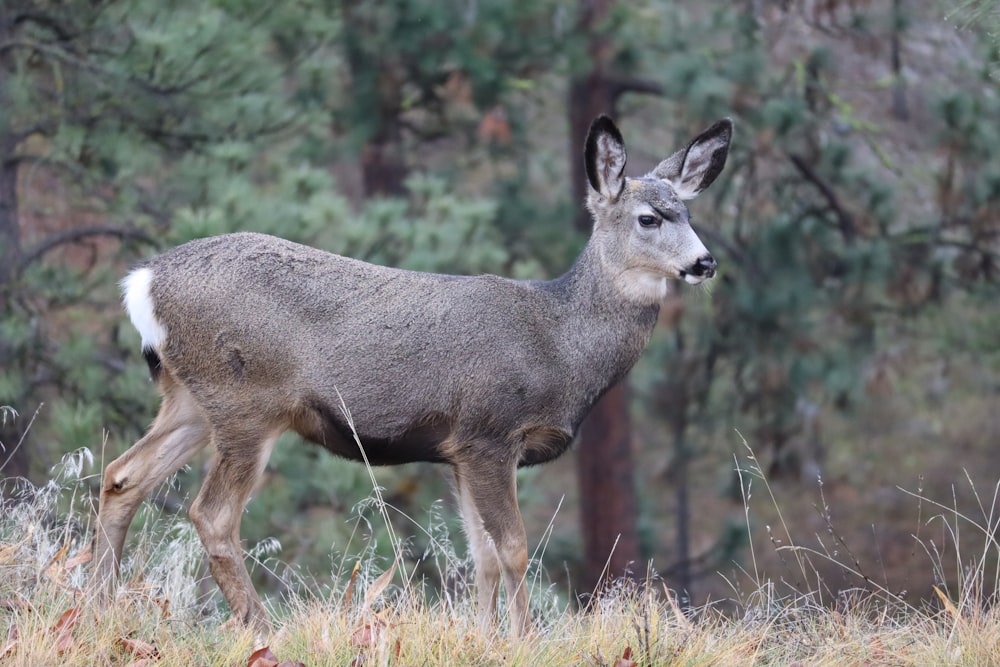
(605,158)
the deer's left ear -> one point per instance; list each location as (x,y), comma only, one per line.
(605,158)
(692,169)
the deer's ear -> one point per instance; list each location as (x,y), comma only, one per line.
(692,169)
(605,158)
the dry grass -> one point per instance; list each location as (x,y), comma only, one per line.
(375,618)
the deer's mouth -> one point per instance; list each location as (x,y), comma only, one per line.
(692,279)
(700,271)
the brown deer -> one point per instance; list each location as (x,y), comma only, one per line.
(248,336)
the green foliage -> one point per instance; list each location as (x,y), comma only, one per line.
(401,54)
(433,231)
(138,115)
(171,122)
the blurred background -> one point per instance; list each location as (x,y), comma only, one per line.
(836,387)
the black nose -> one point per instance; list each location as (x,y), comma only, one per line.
(705,266)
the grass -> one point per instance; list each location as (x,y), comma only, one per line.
(376,615)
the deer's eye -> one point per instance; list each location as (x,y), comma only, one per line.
(649,221)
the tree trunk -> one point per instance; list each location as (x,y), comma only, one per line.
(682,580)
(378,104)
(13,459)
(383,171)
(608,505)
(589,97)
(900,110)
(13,462)
(10,232)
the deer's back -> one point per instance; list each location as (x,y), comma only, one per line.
(418,359)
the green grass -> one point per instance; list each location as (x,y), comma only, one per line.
(168,614)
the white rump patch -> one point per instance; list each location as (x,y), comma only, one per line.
(139,305)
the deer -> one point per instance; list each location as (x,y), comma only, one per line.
(248,335)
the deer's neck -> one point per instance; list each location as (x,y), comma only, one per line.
(607,330)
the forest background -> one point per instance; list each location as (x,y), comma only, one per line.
(848,348)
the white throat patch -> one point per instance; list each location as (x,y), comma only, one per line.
(641,286)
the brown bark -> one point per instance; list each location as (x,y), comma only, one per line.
(13,459)
(10,233)
(608,504)
(383,171)
(10,236)
(604,456)
(589,97)
(900,109)
(378,93)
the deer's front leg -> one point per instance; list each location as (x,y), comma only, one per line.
(488,494)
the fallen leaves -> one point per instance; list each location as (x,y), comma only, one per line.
(265,658)
(626,659)
(63,629)
(367,635)
(56,570)
(65,640)
(9,553)
(370,636)
(138,648)
(948,605)
(375,638)
(82,557)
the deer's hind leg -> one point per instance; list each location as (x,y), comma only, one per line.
(179,431)
(241,454)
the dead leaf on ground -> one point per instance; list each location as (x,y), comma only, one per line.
(349,593)
(378,587)
(367,635)
(141,592)
(949,606)
(138,648)
(53,570)
(263,657)
(9,553)
(63,629)
(82,557)
(164,605)
(626,659)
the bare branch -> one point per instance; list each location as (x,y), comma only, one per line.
(47,21)
(844,219)
(79,233)
(625,84)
